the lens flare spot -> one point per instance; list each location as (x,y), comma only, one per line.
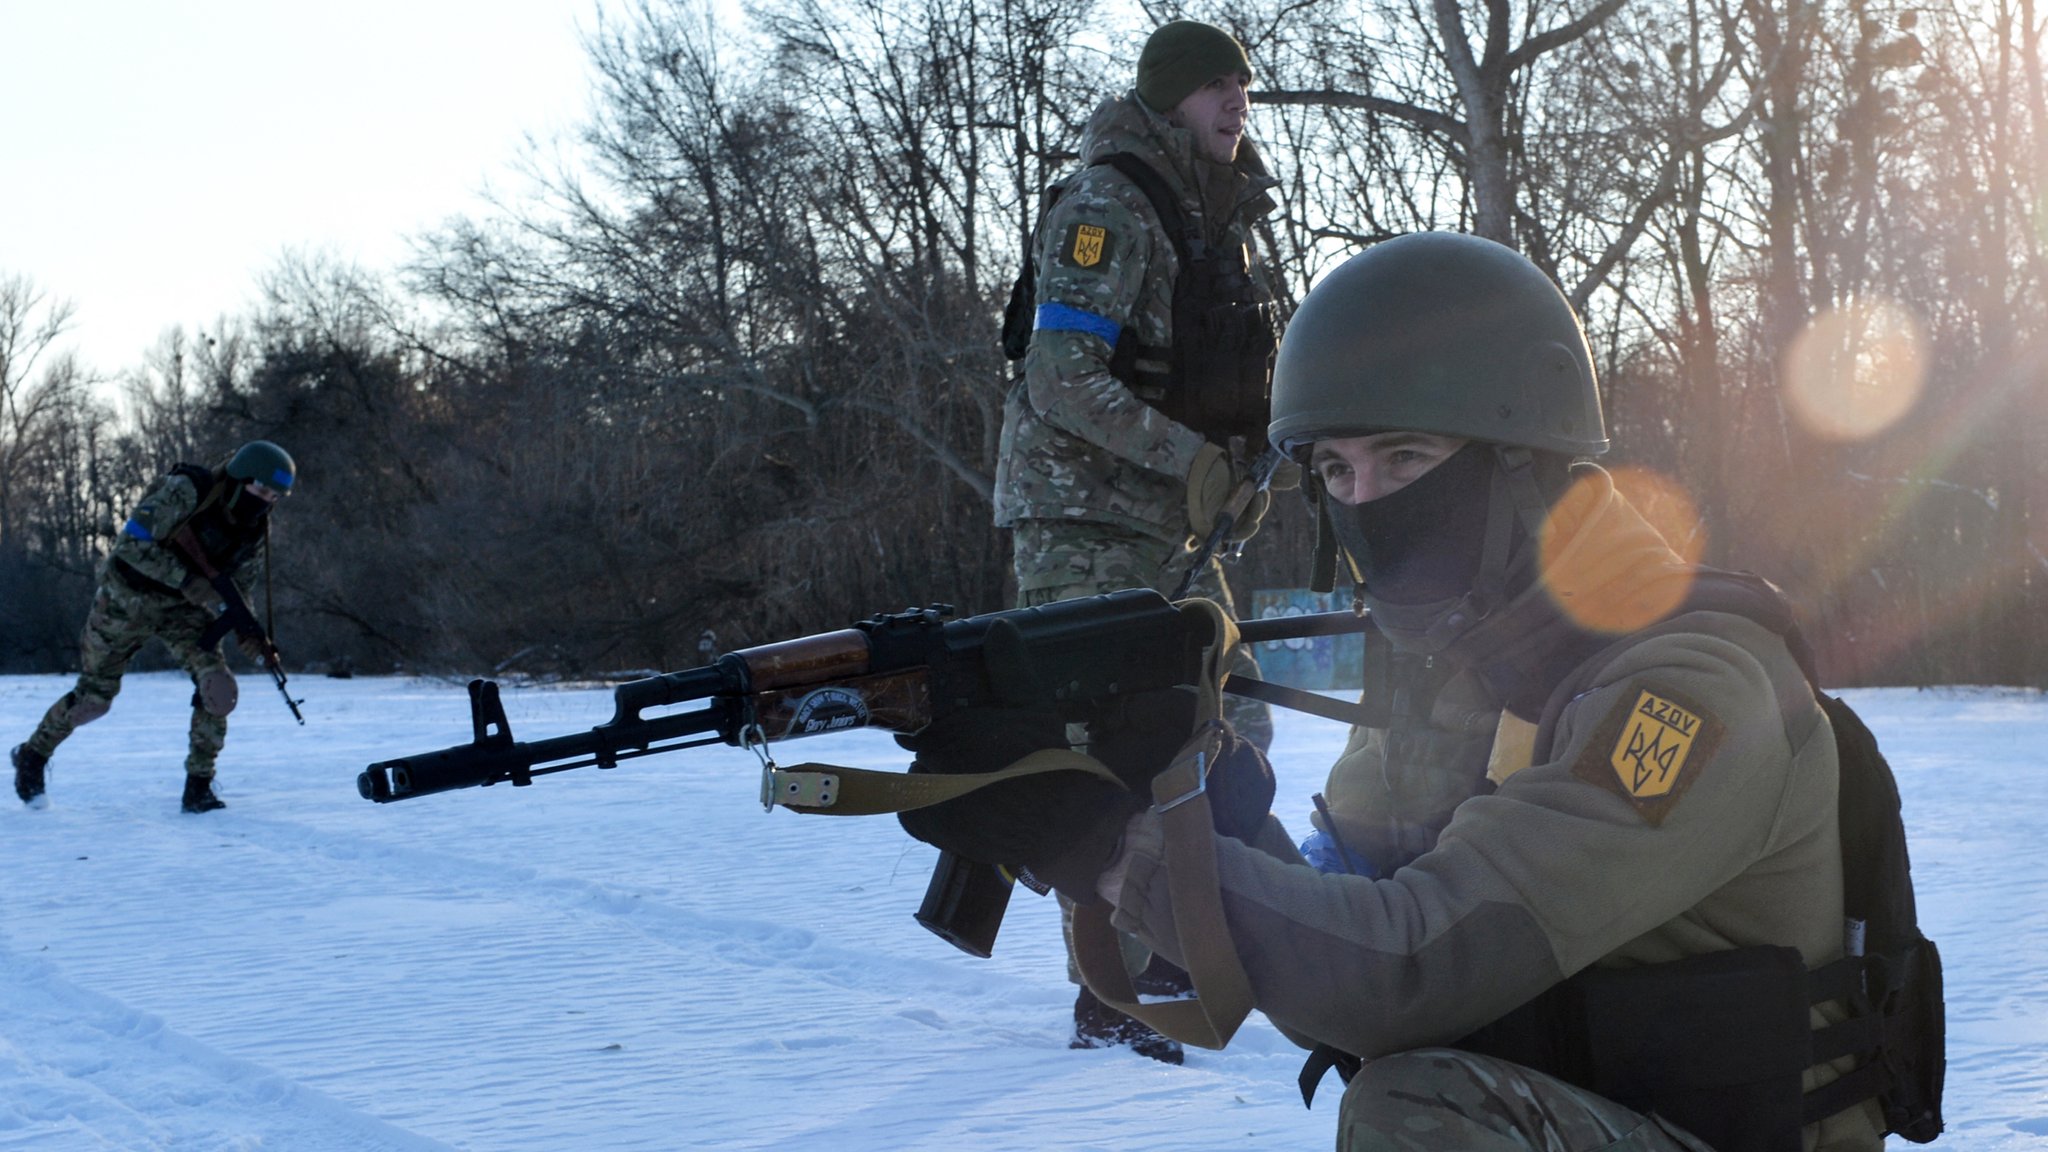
(1855,370)
(1627,582)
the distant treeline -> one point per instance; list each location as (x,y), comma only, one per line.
(731,362)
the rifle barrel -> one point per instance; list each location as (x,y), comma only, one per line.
(1300,627)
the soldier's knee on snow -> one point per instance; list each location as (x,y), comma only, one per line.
(216,692)
(84,710)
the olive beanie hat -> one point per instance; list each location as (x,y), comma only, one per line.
(1183,55)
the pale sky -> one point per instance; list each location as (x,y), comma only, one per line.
(156,156)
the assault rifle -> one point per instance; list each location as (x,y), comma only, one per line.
(896,672)
(235,616)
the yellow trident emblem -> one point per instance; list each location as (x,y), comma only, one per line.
(1653,745)
(1088,244)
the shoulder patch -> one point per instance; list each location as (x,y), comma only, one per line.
(1084,245)
(1649,750)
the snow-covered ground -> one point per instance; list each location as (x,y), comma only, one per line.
(641,959)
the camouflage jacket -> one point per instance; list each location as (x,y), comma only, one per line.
(1077,443)
(143,543)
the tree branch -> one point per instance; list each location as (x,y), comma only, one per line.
(1424,118)
(1558,37)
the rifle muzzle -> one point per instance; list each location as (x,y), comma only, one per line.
(466,766)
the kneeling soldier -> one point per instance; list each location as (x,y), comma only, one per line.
(1618,891)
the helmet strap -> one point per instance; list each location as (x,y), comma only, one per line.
(1524,489)
(1322,568)
(1515,495)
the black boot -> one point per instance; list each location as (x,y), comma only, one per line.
(1163,979)
(1097,1025)
(28,775)
(199,795)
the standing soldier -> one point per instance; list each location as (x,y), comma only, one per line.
(1150,342)
(192,525)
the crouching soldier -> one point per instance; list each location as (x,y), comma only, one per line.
(193,525)
(1622,917)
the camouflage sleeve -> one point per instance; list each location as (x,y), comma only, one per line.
(168,501)
(1094,272)
(1686,809)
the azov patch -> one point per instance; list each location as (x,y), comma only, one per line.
(1649,750)
(1085,244)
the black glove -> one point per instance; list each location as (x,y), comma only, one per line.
(1140,735)
(1240,787)
(1143,736)
(1063,827)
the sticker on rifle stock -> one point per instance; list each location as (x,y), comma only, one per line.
(828,710)
(1085,244)
(1649,750)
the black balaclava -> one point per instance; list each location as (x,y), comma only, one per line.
(1443,553)
(244,506)
(1423,543)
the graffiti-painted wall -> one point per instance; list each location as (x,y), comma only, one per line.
(1318,663)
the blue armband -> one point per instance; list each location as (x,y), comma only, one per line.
(137,530)
(1067,318)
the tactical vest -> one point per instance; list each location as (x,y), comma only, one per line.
(226,544)
(1718,1043)
(1217,376)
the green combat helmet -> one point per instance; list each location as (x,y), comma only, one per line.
(265,463)
(1449,334)
(1438,332)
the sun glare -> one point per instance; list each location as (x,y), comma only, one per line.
(1855,370)
(1618,592)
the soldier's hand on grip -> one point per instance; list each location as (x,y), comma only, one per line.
(1210,480)
(1286,475)
(1247,523)
(1240,787)
(1151,728)
(200,594)
(1062,827)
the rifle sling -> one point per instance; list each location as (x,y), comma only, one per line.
(1282,696)
(188,549)
(1223,996)
(830,790)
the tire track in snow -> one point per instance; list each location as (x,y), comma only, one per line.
(107,1075)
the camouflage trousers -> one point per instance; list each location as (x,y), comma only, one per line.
(122,620)
(1063,559)
(1444,1100)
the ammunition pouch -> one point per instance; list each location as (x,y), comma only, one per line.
(1896,1030)
(1223,347)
